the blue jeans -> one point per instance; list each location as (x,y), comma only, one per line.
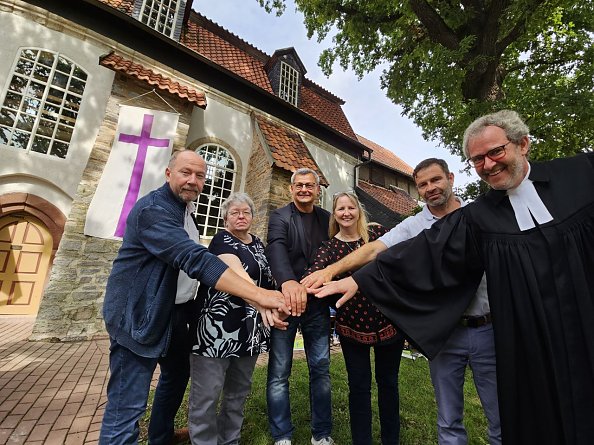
(127,394)
(466,346)
(315,328)
(175,373)
(387,365)
(130,382)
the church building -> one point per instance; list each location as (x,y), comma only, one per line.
(95,95)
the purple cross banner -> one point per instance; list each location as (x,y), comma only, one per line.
(139,155)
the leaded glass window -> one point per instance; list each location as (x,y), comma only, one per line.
(160,15)
(289,83)
(220,178)
(41,103)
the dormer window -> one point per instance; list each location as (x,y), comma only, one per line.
(161,15)
(289,83)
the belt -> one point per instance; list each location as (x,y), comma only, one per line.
(475,322)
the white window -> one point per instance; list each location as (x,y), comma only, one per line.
(160,15)
(289,82)
(220,178)
(41,103)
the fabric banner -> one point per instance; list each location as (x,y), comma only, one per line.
(141,150)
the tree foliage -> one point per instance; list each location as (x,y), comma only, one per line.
(447,63)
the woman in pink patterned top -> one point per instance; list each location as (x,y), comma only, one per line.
(362,326)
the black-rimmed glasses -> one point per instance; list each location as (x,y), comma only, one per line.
(494,154)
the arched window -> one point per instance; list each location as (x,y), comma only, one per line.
(220,178)
(41,103)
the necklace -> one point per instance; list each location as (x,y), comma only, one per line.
(348,244)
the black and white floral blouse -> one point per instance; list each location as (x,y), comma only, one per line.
(225,325)
(358,320)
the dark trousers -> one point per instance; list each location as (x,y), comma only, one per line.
(387,365)
(175,373)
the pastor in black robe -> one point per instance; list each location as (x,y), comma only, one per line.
(541,293)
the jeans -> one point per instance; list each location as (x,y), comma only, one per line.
(466,346)
(315,328)
(127,394)
(130,382)
(210,377)
(387,365)
(175,373)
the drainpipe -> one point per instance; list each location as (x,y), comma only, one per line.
(365,161)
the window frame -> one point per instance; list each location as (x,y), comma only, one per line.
(212,169)
(147,8)
(288,87)
(64,119)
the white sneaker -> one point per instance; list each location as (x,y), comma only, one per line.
(325,441)
(283,442)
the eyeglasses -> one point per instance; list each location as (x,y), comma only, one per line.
(494,154)
(349,193)
(236,213)
(306,185)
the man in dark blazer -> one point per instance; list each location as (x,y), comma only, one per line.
(294,234)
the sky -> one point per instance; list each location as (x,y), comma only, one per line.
(369,111)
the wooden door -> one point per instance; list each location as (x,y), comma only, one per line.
(25,252)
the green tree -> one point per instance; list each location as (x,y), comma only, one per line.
(447,63)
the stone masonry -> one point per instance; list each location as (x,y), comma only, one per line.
(72,303)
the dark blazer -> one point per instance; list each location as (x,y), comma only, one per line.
(286,248)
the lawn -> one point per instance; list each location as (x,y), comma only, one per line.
(417,407)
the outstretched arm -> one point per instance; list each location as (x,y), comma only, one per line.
(347,287)
(233,284)
(271,317)
(352,261)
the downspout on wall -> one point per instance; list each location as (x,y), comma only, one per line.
(356,167)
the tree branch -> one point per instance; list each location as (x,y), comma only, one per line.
(437,29)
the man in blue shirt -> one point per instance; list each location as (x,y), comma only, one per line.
(142,287)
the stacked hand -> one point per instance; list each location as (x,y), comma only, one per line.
(347,287)
(317,279)
(295,296)
(273,309)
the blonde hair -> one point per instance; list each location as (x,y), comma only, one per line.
(362,224)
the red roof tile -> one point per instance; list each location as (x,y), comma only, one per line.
(201,37)
(287,148)
(386,157)
(121,5)
(231,52)
(327,111)
(396,200)
(164,83)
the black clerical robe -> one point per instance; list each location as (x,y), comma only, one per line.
(541,293)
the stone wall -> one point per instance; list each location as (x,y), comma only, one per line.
(279,188)
(258,180)
(72,303)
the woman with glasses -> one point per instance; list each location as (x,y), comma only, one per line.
(361,326)
(228,332)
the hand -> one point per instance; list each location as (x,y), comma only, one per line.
(347,286)
(317,279)
(272,299)
(273,318)
(295,296)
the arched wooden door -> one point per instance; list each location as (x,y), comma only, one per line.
(25,252)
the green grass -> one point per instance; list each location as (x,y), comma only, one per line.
(417,407)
